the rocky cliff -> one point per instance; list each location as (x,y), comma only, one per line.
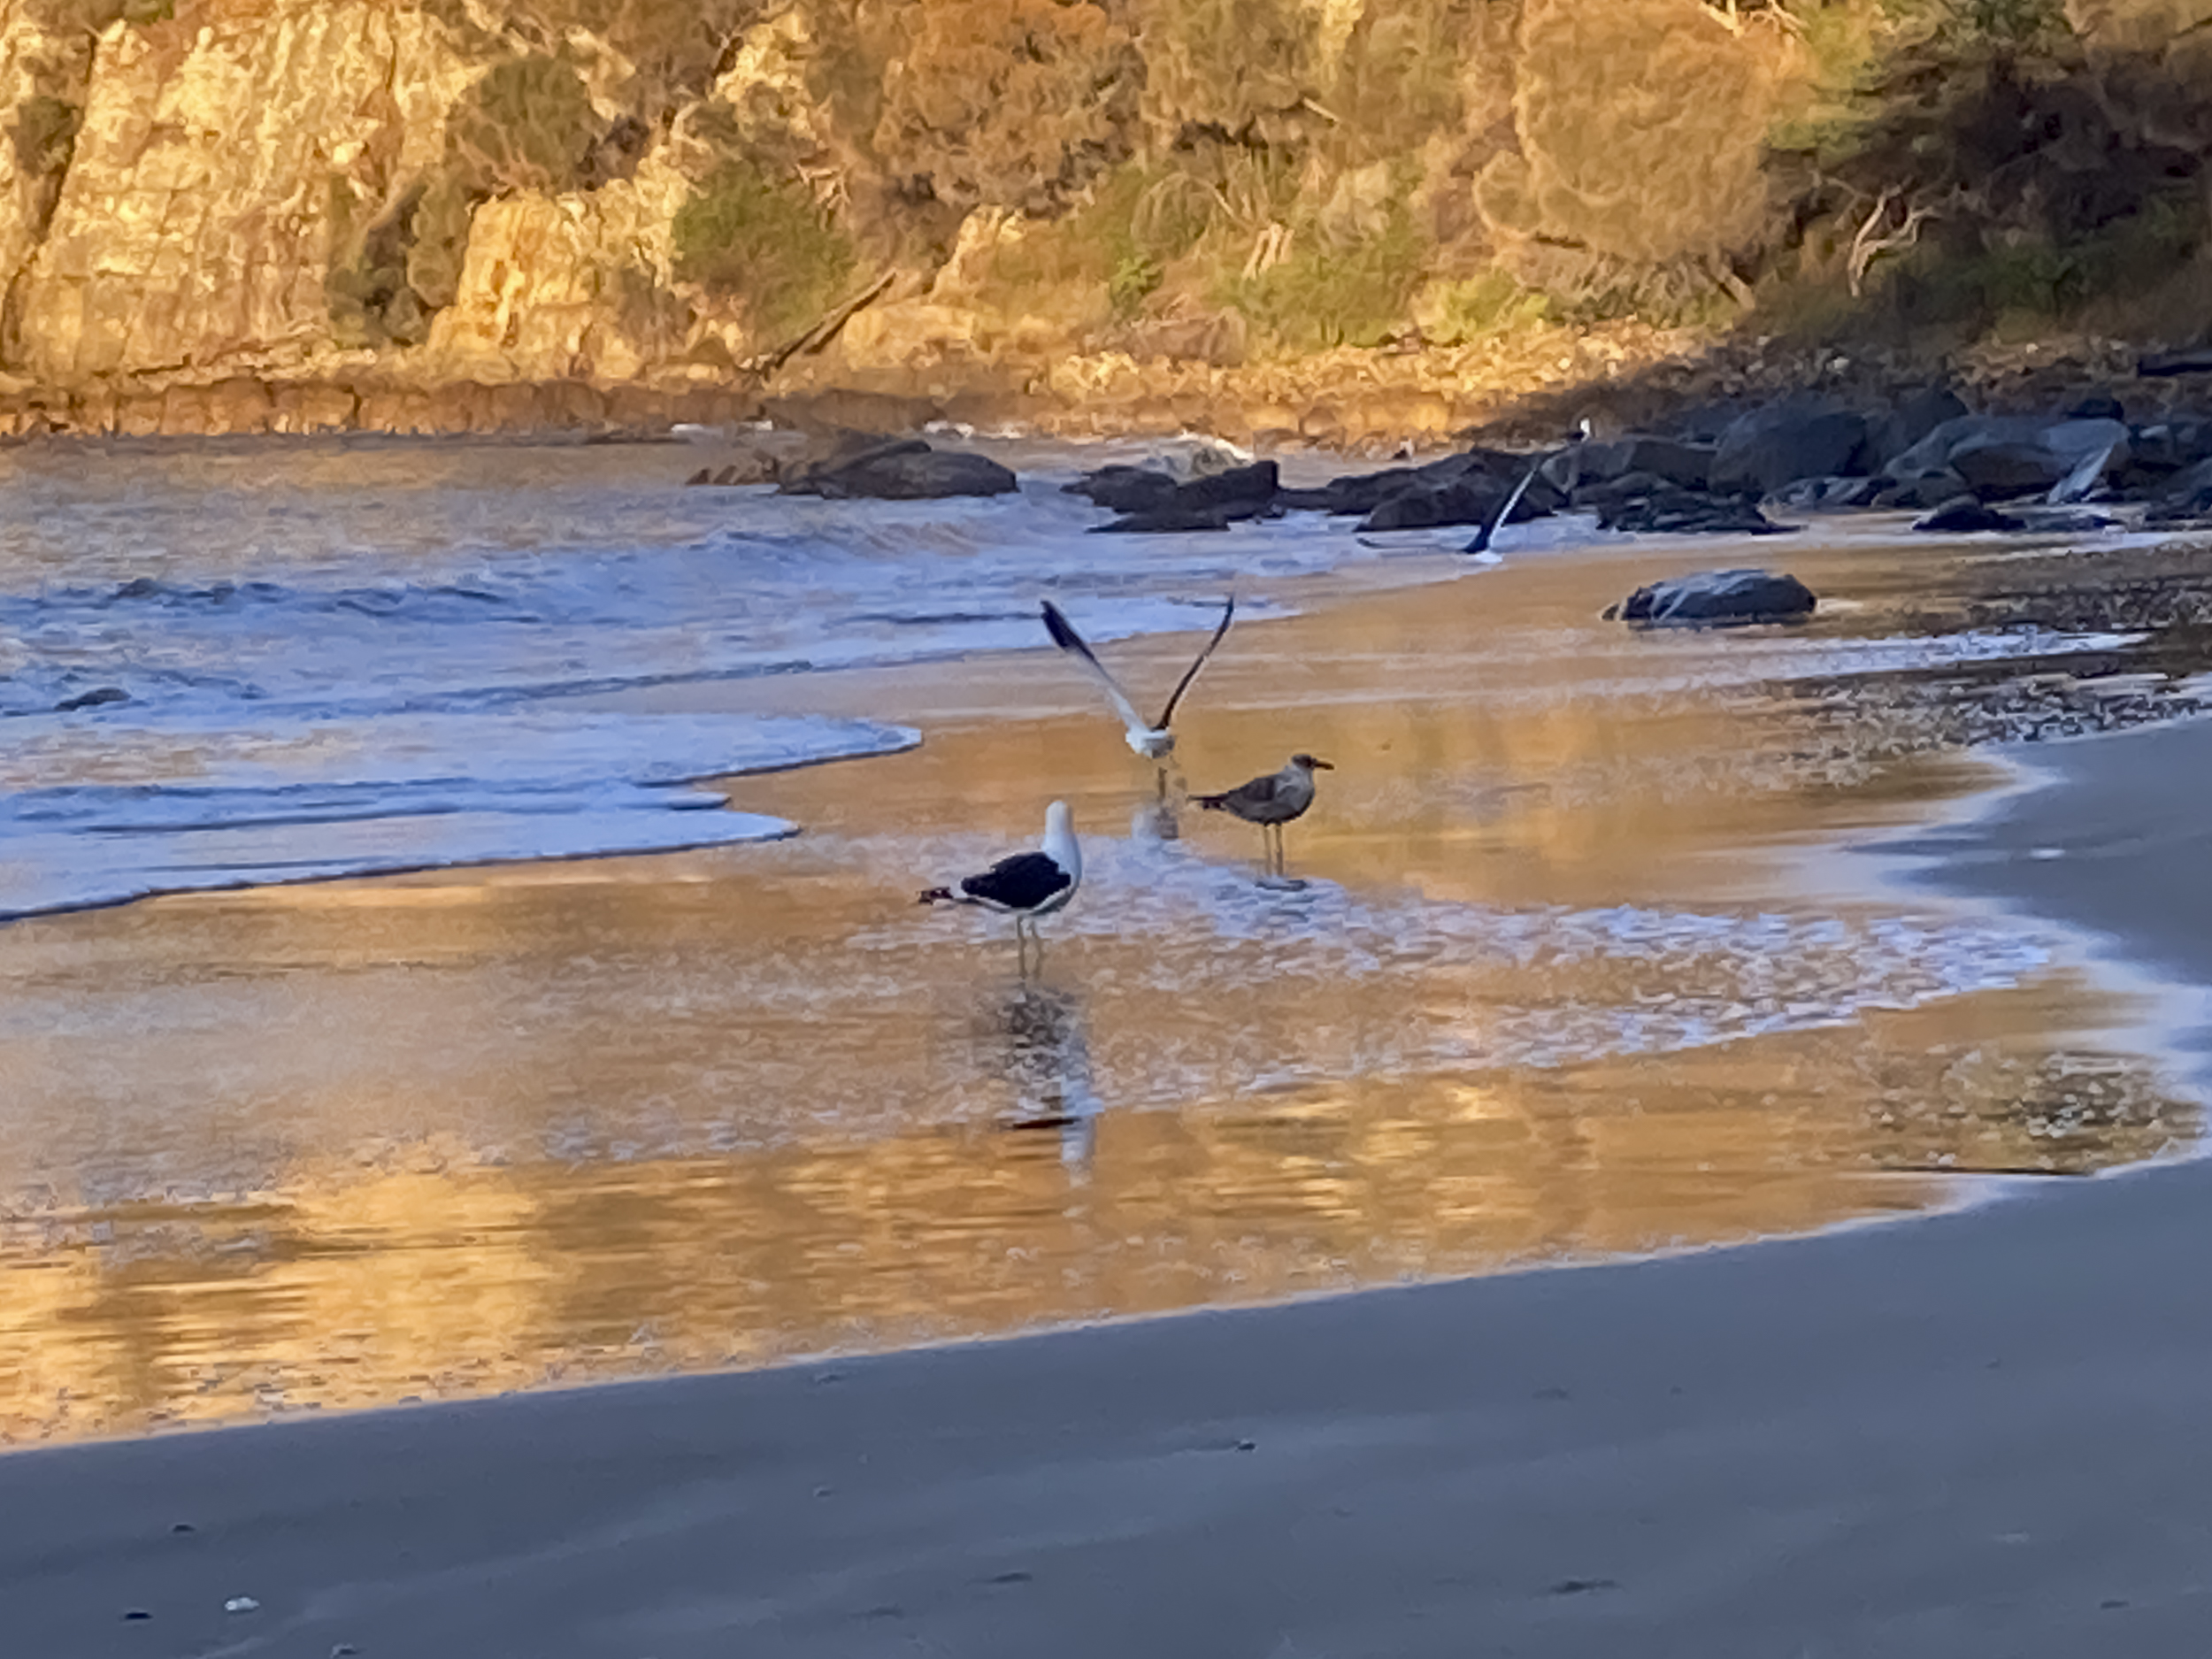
(221,214)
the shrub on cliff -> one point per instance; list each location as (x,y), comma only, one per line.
(767,245)
(527,124)
(1328,293)
(1006,103)
(1243,70)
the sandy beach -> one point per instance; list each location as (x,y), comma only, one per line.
(1976,1434)
(1968,1433)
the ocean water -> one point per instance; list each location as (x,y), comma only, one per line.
(344,1145)
(228,665)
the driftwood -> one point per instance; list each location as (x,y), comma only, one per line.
(821,334)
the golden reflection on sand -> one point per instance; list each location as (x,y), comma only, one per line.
(342,1145)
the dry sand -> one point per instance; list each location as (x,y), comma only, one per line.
(1973,1434)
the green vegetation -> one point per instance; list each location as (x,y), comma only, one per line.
(1478,306)
(527,124)
(1321,295)
(765,243)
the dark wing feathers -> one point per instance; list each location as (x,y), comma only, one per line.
(1245,797)
(1228,610)
(1020,883)
(1065,637)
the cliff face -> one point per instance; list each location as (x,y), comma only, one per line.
(404,195)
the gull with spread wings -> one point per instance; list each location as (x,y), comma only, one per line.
(1150,741)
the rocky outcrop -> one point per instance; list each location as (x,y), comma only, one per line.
(871,466)
(211,170)
(1717,599)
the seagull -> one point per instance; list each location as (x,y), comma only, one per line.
(1152,742)
(1027,885)
(1271,801)
(1481,543)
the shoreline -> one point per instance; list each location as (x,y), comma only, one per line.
(1975,1435)
(1406,1163)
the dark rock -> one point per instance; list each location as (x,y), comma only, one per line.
(1361,493)
(930,475)
(1917,495)
(826,456)
(2190,481)
(2097,406)
(1708,423)
(2157,451)
(1964,515)
(1769,447)
(2158,364)
(2008,455)
(1252,486)
(894,469)
(1212,502)
(1120,488)
(1168,520)
(2062,521)
(1648,505)
(1690,465)
(1914,418)
(1717,599)
(1354,493)
(1999,471)
(97,698)
(1819,495)
(1472,500)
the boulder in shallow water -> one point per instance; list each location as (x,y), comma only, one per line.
(1474,498)
(1212,502)
(1174,518)
(1645,504)
(1827,495)
(1122,488)
(865,466)
(1717,599)
(1252,486)
(99,697)
(1966,515)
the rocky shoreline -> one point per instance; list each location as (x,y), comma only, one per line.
(1625,377)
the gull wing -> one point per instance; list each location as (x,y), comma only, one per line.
(1228,611)
(1020,883)
(1481,543)
(1067,639)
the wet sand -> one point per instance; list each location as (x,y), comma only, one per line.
(1973,1434)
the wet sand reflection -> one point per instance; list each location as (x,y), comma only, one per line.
(1554,993)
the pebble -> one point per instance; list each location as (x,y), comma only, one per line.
(242,1604)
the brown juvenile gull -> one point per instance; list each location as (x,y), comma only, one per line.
(1028,885)
(1152,742)
(1271,801)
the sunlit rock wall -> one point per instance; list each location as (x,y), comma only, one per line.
(576,286)
(194,224)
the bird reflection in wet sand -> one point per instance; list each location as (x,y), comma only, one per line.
(1271,801)
(1048,1061)
(1026,886)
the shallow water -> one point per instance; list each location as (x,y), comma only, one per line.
(1575,969)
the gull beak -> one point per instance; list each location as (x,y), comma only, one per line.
(1323,766)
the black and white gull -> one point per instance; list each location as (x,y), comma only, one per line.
(1152,742)
(1271,801)
(1026,886)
